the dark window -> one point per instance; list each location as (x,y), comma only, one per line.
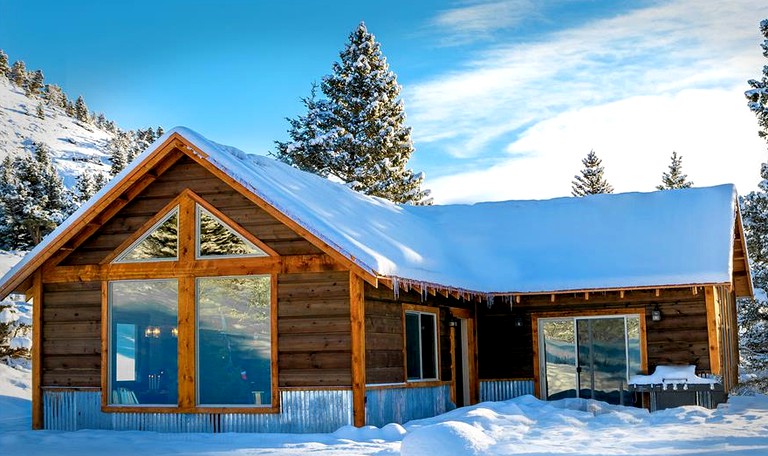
(421,345)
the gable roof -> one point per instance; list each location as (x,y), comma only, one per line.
(630,240)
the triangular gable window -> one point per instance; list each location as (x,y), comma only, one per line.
(217,240)
(160,243)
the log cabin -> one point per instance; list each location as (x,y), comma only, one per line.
(207,290)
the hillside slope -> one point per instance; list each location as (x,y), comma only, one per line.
(74,146)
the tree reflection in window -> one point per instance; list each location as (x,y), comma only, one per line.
(160,243)
(216,239)
(234,344)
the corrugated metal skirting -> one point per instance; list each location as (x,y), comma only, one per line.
(398,405)
(501,390)
(302,411)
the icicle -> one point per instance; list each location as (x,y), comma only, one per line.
(685,387)
(489,300)
(396,287)
(423,292)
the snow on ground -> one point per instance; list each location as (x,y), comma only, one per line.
(521,426)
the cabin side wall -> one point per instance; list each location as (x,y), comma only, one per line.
(506,352)
(390,396)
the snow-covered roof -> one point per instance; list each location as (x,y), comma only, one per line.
(673,237)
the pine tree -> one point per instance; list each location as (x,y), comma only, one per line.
(18,73)
(753,313)
(40,112)
(757,95)
(88,184)
(357,133)
(32,197)
(675,177)
(54,96)
(81,110)
(4,68)
(118,148)
(309,148)
(592,179)
(35,82)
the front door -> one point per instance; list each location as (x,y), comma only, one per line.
(589,357)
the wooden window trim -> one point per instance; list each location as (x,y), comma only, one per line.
(535,317)
(186,268)
(418,309)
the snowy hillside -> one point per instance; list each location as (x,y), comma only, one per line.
(74,146)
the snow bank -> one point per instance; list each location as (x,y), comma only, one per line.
(451,438)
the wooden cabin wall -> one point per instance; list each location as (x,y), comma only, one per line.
(384,337)
(72,334)
(314,342)
(188,174)
(729,350)
(679,338)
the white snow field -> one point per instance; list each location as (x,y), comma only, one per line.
(521,426)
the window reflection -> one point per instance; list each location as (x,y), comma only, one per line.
(234,341)
(144,362)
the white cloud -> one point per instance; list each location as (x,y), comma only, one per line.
(659,50)
(710,128)
(634,88)
(478,21)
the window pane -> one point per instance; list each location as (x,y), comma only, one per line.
(412,346)
(217,239)
(234,341)
(428,361)
(162,242)
(143,342)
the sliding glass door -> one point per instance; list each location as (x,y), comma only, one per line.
(589,357)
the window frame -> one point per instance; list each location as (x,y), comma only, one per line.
(199,210)
(435,313)
(142,235)
(184,269)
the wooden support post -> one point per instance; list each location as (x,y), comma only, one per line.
(186,341)
(357,318)
(586,296)
(552,298)
(621,294)
(713,329)
(37,349)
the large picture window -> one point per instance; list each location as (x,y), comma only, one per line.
(421,345)
(201,337)
(234,341)
(143,368)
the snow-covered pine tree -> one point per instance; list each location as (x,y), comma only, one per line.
(753,313)
(81,110)
(35,82)
(309,148)
(4,68)
(33,198)
(54,96)
(88,184)
(675,177)
(18,73)
(592,179)
(40,111)
(118,148)
(757,95)
(360,126)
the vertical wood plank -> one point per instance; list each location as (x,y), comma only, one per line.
(357,319)
(535,354)
(187,227)
(274,336)
(186,343)
(105,350)
(713,331)
(453,364)
(37,349)
(474,383)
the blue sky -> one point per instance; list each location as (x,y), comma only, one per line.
(505,97)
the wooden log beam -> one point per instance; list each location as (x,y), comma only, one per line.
(357,319)
(713,329)
(37,349)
